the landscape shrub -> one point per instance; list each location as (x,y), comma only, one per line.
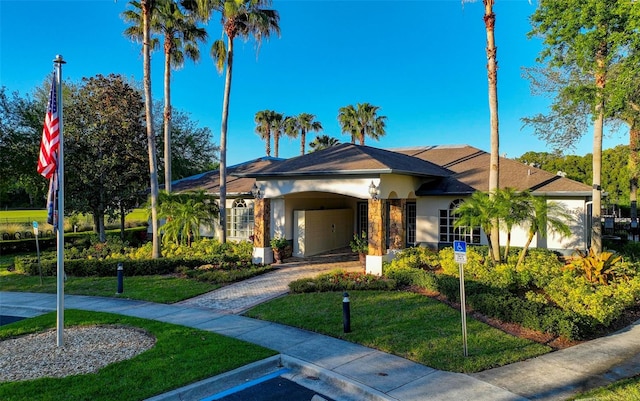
(340,280)
(602,303)
(413,266)
(223,273)
(539,267)
(417,258)
(202,249)
(101,259)
(406,276)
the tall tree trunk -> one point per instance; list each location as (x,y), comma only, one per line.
(223,144)
(598,127)
(492,74)
(167,114)
(276,143)
(303,140)
(147,6)
(634,148)
(268,140)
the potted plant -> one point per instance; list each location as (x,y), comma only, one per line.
(360,244)
(277,245)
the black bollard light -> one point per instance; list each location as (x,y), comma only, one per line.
(346,313)
(120,278)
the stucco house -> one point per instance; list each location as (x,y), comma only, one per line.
(399,197)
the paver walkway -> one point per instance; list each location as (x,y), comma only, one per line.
(238,297)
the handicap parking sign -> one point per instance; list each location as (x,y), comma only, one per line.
(460,246)
(460,251)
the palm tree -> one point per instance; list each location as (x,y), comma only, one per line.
(347,117)
(277,129)
(478,211)
(291,127)
(263,121)
(545,216)
(513,209)
(492,74)
(181,36)
(307,123)
(362,121)
(185,213)
(322,142)
(240,18)
(146,8)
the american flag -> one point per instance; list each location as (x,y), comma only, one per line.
(47,161)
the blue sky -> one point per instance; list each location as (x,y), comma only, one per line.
(423,62)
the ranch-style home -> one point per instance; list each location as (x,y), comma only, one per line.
(399,198)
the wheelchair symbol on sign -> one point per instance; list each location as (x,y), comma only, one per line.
(460,246)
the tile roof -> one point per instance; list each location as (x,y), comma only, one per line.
(210,180)
(350,159)
(456,169)
(470,166)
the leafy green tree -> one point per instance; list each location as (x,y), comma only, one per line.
(585,38)
(240,18)
(105,158)
(21,121)
(193,148)
(362,121)
(322,142)
(544,217)
(184,214)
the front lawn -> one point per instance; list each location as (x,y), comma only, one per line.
(181,356)
(404,324)
(156,288)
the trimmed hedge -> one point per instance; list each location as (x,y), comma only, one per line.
(340,280)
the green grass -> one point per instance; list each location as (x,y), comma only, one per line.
(405,324)
(626,390)
(157,288)
(181,356)
(162,289)
(40,215)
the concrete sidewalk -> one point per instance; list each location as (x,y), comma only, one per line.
(361,373)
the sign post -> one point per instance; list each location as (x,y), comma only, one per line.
(460,256)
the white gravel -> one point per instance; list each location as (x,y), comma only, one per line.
(86,349)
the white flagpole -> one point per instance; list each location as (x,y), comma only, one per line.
(58,61)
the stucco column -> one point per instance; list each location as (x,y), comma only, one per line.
(262,253)
(396,223)
(377,236)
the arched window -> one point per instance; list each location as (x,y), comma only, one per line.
(240,220)
(449,233)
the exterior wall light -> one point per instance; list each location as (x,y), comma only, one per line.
(257,193)
(374,191)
